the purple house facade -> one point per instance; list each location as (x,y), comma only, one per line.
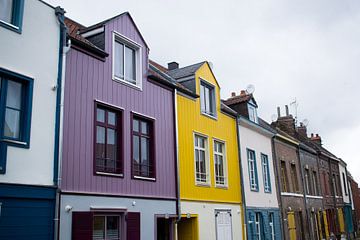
(119,161)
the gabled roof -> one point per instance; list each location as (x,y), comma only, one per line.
(102,23)
(239,99)
(185,71)
(73,33)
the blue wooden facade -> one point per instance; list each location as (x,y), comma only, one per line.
(269,227)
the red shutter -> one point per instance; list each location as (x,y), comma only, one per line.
(133,226)
(82,225)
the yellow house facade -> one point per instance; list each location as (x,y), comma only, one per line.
(209,170)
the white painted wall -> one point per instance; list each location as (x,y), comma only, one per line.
(206,217)
(34,53)
(147,207)
(249,138)
(346,197)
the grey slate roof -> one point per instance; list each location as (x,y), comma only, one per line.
(266,125)
(185,71)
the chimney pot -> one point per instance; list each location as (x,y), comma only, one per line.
(173,65)
(233,94)
(242,92)
(317,135)
(287,110)
(312,135)
(278,112)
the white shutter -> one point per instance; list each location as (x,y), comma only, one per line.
(223,225)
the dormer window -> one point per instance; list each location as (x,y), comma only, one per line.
(252,113)
(126,61)
(207,99)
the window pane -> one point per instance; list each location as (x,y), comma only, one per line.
(100,115)
(100,148)
(145,157)
(13,97)
(6,7)
(207,100)
(136,154)
(12,123)
(136,125)
(130,65)
(144,128)
(99,228)
(119,60)
(111,149)
(112,228)
(202,98)
(112,118)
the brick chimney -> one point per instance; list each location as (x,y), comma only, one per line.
(243,93)
(173,65)
(302,131)
(315,139)
(285,123)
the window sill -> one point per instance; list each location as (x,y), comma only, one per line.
(268,192)
(145,178)
(110,174)
(254,190)
(15,143)
(209,115)
(202,184)
(122,81)
(10,26)
(225,187)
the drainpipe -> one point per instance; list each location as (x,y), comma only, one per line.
(63,49)
(304,189)
(243,205)
(275,160)
(177,160)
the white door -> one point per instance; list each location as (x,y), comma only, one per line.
(223,225)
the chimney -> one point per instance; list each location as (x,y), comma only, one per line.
(302,131)
(233,94)
(287,110)
(316,139)
(278,112)
(173,65)
(243,93)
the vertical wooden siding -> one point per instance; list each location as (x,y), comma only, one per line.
(88,79)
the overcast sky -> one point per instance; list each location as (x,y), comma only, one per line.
(303,49)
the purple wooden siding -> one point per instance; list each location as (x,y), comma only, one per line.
(88,79)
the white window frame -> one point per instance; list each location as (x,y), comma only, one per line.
(266,172)
(252,162)
(271,224)
(254,117)
(224,156)
(206,84)
(120,225)
(117,37)
(258,225)
(207,160)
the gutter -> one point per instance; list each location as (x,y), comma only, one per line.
(63,49)
(243,200)
(178,210)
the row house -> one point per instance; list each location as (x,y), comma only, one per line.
(346,211)
(209,171)
(30,74)
(355,203)
(288,174)
(118,158)
(262,215)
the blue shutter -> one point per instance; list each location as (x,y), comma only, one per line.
(277,225)
(251,226)
(268,172)
(256,173)
(265,224)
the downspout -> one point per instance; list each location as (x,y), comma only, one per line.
(178,210)
(275,160)
(243,201)
(63,49)
(304,189)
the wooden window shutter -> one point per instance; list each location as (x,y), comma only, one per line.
(291,225)
(133,226)
(82,225)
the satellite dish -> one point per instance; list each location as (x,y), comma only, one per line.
(305,122)
(250,89)
(274,117)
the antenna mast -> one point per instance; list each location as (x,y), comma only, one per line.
(295,105)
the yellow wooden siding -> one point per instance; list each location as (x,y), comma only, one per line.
(341,220)
(291,225)
(190,121)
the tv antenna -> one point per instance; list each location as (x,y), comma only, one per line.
(295,105)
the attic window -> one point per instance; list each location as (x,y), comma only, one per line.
(126,61)
(207,99)
(252,113)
